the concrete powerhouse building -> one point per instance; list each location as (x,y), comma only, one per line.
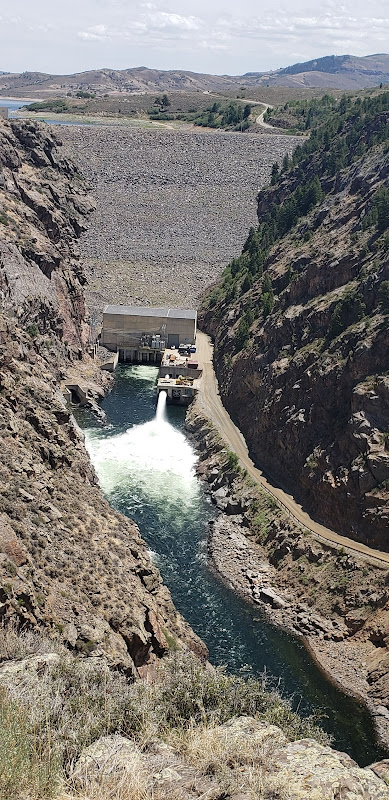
(141,333)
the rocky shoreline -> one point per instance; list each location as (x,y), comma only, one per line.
(339,643)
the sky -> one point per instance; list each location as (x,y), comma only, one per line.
(214,36)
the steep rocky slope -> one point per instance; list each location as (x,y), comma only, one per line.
(301,324)
(335,600)
(68,562)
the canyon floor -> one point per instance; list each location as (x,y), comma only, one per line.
(172,208)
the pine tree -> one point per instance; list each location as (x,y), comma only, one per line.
(275,171)
(246,111)
(266,283)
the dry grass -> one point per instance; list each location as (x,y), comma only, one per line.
(16,644)
(232,764)
(211,748)
(116,782)
(236,761)
(28,767)
(51,712)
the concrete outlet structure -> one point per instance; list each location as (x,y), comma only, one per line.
(140,334)
(179,376)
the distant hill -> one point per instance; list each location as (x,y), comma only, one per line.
(108,81)
(376,64)
(336,72)
(341,72)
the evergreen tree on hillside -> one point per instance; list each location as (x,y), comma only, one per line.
(275,171)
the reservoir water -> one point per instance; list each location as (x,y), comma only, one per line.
(13,104)
(146,466)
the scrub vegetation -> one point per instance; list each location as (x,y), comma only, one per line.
(304,114)
(53,705)
(195,108)
(223,114)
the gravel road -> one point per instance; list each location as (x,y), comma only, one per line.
(212,407)
(172,208)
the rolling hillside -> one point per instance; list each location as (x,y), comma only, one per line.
(337,72)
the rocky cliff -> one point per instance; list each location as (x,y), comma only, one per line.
(68,562)
(301,324)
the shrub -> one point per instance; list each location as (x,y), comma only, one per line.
(46,719)
(232,460)
(187,694)
(242,333)
(348,310)
(33,330)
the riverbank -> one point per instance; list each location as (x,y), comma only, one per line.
(325,596)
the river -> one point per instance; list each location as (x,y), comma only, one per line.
(146,469)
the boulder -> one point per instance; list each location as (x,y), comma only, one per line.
(108,754)
(381,768)
(269,596)
(312,771)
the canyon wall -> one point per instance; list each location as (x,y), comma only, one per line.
(68,562)
(301,327)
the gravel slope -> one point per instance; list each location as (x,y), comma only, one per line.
(172,207)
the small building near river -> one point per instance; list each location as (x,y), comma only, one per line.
(141,333)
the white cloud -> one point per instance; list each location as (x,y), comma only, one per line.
(162,20)
(332,29)
(95,33)
(151,24)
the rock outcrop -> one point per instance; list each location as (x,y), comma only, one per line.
(257,754)
(68,562)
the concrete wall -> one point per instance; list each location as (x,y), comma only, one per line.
(77,394)
(135,355)
(179,395)
(174,372)
(111,364)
